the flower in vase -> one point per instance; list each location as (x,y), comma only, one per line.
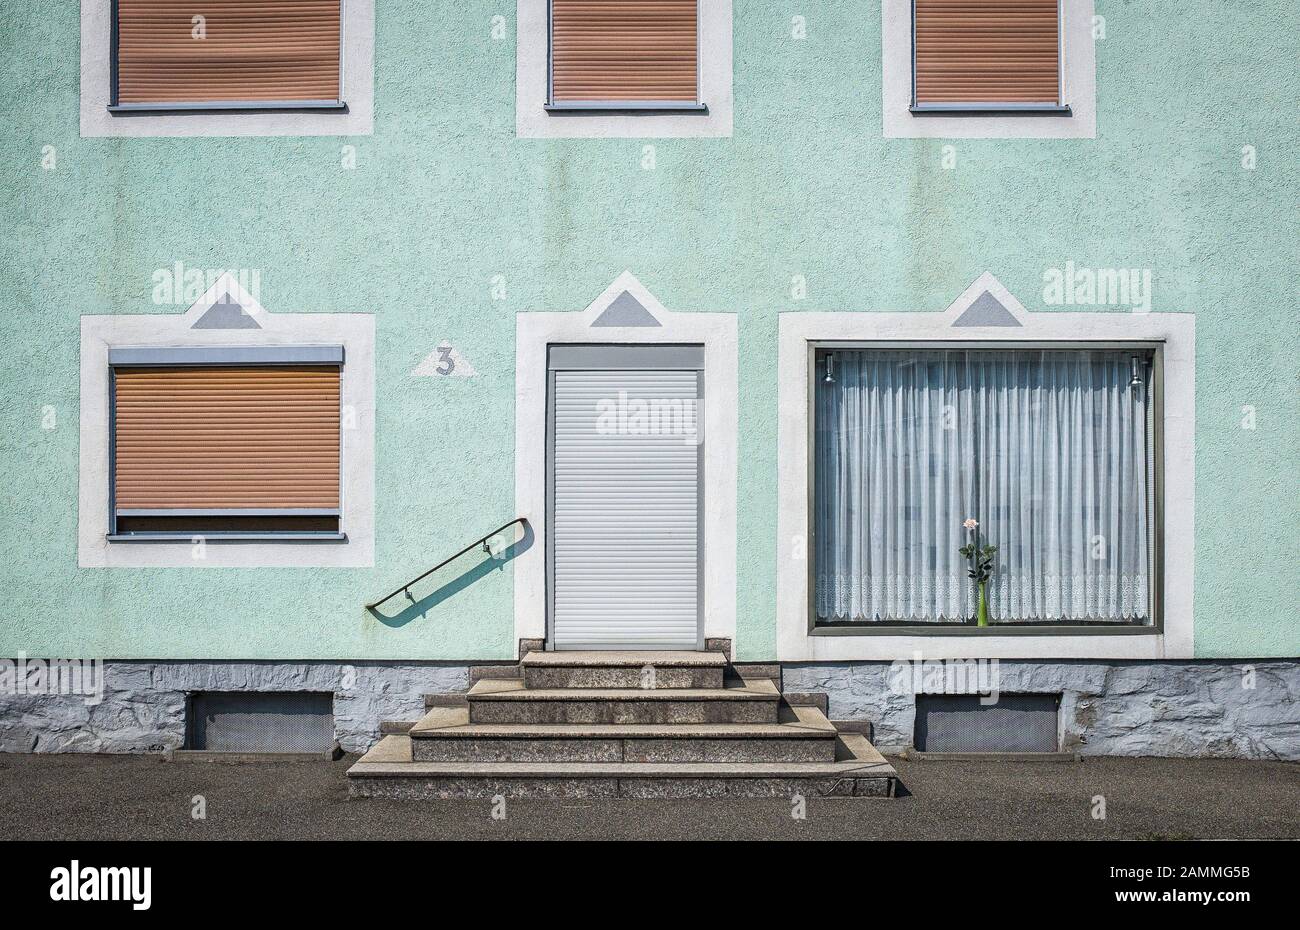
(971,523)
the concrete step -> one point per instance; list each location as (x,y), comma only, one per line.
(799,735)
(751,670)
(604,670)
(505,670)
(508,701)
(390,771)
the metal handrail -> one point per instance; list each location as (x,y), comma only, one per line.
(523,521)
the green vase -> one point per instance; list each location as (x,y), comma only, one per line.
(983,610)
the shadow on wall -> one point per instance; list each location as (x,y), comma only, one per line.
(496,561)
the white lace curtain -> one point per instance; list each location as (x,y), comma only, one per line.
(1048,450)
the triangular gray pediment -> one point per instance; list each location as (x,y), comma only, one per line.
(625,310)
(226,314)
(987,310)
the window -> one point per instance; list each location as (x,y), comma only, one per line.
(171,84)
(1160,626)
(623,69)
(1052,451)
(986,55)
(226,54)
(612,54)
(230,443)
(988,69)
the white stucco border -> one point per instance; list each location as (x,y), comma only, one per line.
(1176,330)
(354,331)
(358,90)
(718,332)
(532,121)
(1079,88)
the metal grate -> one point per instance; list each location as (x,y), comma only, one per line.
(959,723)
(261,721)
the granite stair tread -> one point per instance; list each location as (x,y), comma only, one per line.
(391,758)
(616,659)
(792,722)
(513,689)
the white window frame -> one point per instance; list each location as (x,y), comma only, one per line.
(355,116)
(537,118)
(355,332)
(718,333)
(800,332)
(1074,118)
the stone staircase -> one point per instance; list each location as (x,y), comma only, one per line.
(619,725)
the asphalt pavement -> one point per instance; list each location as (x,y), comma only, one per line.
(101,797)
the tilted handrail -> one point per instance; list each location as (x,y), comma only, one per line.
(523,521)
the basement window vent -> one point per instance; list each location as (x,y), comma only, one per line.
(960,723)
(261,721)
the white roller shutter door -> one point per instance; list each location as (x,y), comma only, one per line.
(625,498)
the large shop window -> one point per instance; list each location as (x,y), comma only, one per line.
(222,54)
(624,54)
(226,443)
(986,55)
(1052,451)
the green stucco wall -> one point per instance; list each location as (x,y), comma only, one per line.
(444,197)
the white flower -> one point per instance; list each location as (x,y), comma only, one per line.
(971,523)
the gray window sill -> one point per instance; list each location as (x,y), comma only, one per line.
(227,537)
(228,512)
(999,109)
(123,109)
(899,629)
(632,106)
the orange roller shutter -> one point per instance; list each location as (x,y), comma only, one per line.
(226,438)
(624,50)
(987,51)
(252,50)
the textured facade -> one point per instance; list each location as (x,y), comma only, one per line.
(427,240)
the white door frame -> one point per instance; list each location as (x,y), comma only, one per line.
(717,332)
